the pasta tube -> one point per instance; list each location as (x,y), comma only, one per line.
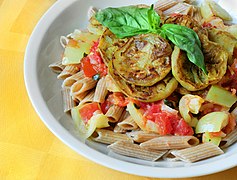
(88,98)
(69,70)
(100,91)
(142,136)
(82,86)
(229,139)
(57,67)
(68,82)
(109,137)
(128,124)
(114,113)
(170,142)
(199,152)
(68,102)
(127,148)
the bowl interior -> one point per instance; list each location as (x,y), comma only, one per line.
(64,21)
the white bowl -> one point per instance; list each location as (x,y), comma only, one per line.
(44,92)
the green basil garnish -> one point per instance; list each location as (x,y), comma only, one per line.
(130,21)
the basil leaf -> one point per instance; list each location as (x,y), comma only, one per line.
(187,40)
(129,21)
(153,18)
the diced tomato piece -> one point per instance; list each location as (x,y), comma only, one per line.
(87,67)
(183,129)
(168,122)
(87,111)
(93,63)
(94,47)
(105,106)
(119,99)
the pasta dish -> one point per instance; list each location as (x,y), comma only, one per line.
(153,82)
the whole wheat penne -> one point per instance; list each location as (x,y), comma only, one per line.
(142,136)
(114,113)
(88,98)
(117,128)
(170,142)
(199,152)
(163,5)
(182,8)
(229,139)
(100,91)
(82,86)
(127,148)
(68,82)
(69,70)
(80,96)
(57,67)
(128,123)
(91,12)
(109,137)
(68,102)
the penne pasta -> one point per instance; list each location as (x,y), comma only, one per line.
(170,142)
(88,98)
(109,137)
(79,88)
(100,91)
(57,67)
(163,5)
(199,152)
(68,82)
(181,8)
(69,70)
(114,113)
(229,139)
(142,136)
(128,123)
(68,102)
(117,128)
(127,148)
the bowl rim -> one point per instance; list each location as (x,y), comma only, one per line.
(33,90)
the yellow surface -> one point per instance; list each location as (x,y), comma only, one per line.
(28,150)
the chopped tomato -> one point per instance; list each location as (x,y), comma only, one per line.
(168,122)
(93,63)
(87,111)
(230,126)
(119,99)
(105,106)
(87,67)
(182,128)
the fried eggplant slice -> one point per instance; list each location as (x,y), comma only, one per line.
(158,91)
(193,78)
(226,40)
(108,44)
(144,60)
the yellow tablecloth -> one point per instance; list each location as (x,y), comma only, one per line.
(28,150)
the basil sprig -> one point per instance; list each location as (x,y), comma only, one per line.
(130,21)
